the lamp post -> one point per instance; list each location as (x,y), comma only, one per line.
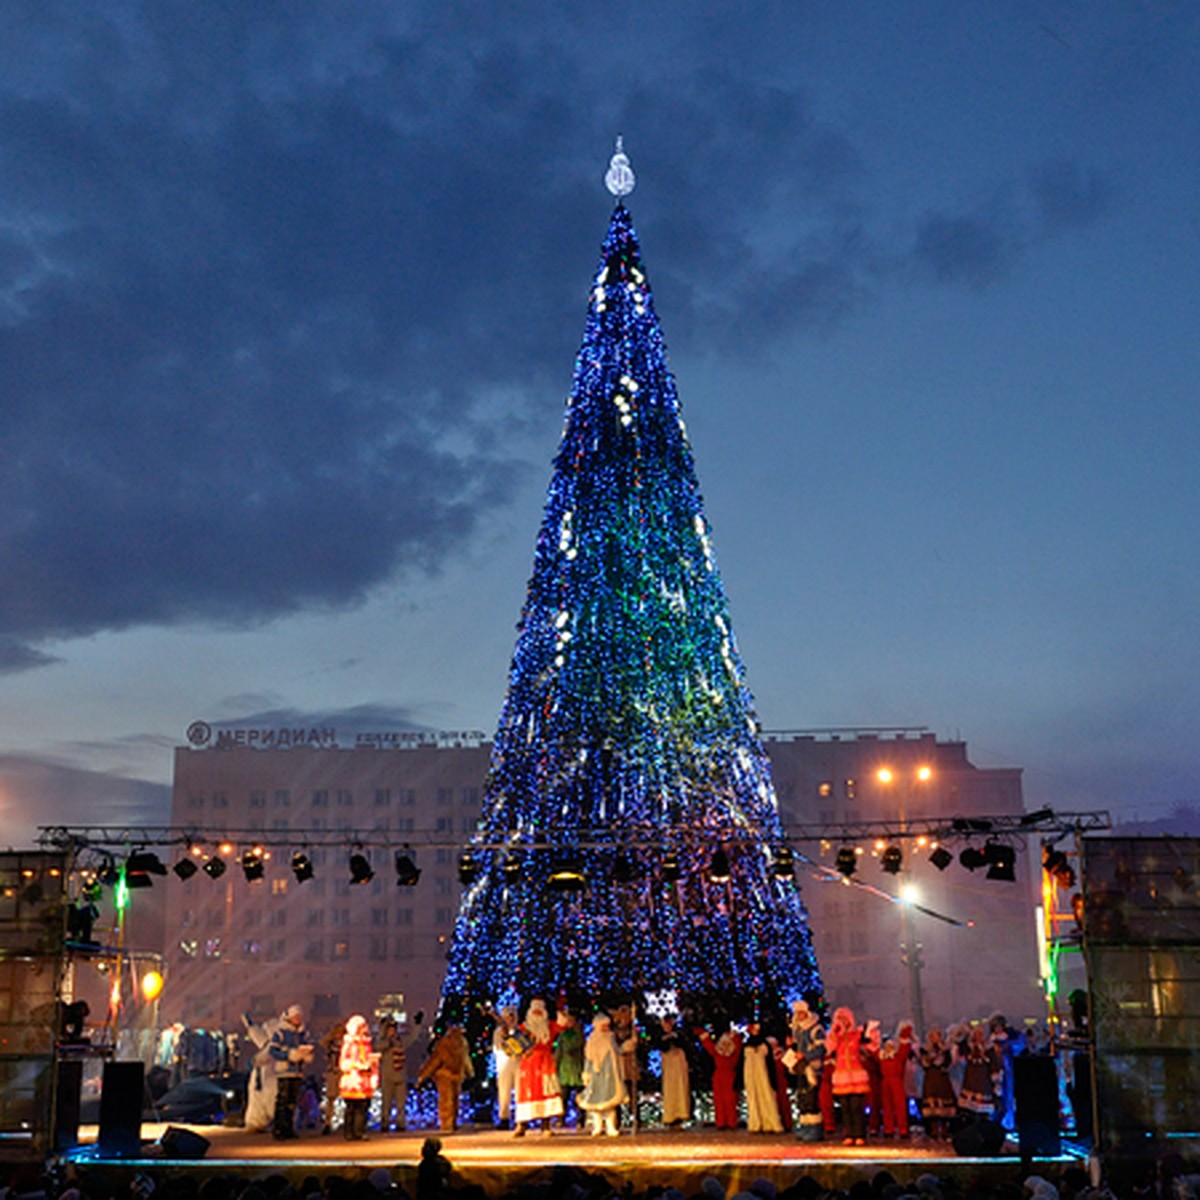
(910,948)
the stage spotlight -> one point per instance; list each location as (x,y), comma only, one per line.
(941,858)
(891,860)
(252,864)
(215,867)
(1036,818)
(1002,860)
(671,870)
(408,874)
(468,868)
(185,868)
(718,868)
(1057,866)
(784,866)
(511,868)
(140,865)
(302,867)
(973,858)
(566,875)
(360,868)
(846,861)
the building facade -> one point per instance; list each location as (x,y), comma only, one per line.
(338,941)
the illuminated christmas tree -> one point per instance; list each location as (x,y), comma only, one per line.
(630,844)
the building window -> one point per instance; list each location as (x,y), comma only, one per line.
(443,857)
(277,918)
(859,942)
(195,802)
(251,949)
(444,825)
(251,917)
(383,797)
(832,942)
(399,948)
(404,916)
(445,796)
(283,798)
(212,947)
(827,816)
(406,796)
(340,918)
(441,885)
(314,950)
(444,916)
(320,799)
(377,949)
(276,952)
(279,887)
(220,800)
(404,824)
(339,951)
(320,824)
(258,799)
(468,824)
(315,918)
(471,796)
(851,789)
(379,918)
(824,788)
(345,798)
(280,824)
(189,948)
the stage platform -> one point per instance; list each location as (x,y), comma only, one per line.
(499,1162)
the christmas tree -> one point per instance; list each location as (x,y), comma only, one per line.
(630,845)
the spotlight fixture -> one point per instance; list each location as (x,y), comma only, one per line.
(1002,861)
(846,861)
(718,869)
(1036,818)
(468,868)
(566,875)
(511,868)
(215,867)
(360,868)
(1057,866)
(252,864)
(891,860)
(784,866)
(671,870)
(185,868)
(302,867)
(408,874)
(973,858)
(941,858)
(140,865)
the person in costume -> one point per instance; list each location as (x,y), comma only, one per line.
(568,1061)
(331,1047)
(603,1083)
(726,1052)
(808,1049)
(938,1102)
(449,1066)
(359,1064)
(977,1096)
(291,1049)
(762,1111)
(262,1083)
(539,1097)
(893,1062)
(851,1083)
(625,1030)
(676,1076)
(507,1064)
(393,1074)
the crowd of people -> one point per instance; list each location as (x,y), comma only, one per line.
(553,1069)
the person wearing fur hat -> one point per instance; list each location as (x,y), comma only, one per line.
(291,1049)
(359,1066)
(449,1066)
(808,1051)
(539,1096)
(603,1084)
(725,1052)
(851,1083)
(938,1102)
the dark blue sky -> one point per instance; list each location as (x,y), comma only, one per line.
(290,295)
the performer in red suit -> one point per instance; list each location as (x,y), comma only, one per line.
(726,1052)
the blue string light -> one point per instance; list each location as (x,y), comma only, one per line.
(627,730)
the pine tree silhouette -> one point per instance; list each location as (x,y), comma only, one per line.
(627,774)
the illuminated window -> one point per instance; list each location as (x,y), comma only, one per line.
(340,950)
(189,948)
(251,949)
(212,947)
(850,789)
(279,887)
(825,788)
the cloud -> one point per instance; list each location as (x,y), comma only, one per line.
(16,657)
(279,295)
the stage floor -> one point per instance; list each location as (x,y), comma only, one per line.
(498,1161)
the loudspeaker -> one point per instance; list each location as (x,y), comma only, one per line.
(178,1142)
(1035,1091)
(68,1091)
(121,1093)
(980,1139)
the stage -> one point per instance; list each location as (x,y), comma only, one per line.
(499,1162)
